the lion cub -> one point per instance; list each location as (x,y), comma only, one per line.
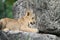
(19,24)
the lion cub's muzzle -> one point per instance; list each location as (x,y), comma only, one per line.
(32,23)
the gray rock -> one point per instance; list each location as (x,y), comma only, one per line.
(47,17)
(26,36)
(47,14)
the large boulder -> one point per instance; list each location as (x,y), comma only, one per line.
(47,17)
(26,36)
(47,14)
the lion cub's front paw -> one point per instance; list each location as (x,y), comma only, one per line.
(36,30)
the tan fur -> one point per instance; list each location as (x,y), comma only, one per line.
(4,21)
(20,24)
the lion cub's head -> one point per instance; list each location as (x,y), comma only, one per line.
(30,17)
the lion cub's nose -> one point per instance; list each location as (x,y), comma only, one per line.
(32,23)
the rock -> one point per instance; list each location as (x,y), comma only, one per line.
(47,17)
(47,14)
(26,36)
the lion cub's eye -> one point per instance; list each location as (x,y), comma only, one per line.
(32,17)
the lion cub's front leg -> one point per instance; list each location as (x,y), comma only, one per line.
(29,29)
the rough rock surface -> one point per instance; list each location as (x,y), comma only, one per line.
(47,14)
(47,17)
(26,36)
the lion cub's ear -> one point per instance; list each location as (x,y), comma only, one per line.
(28,14)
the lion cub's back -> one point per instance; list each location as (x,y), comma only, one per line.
(13,25)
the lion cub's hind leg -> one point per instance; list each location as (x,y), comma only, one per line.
(5,30)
